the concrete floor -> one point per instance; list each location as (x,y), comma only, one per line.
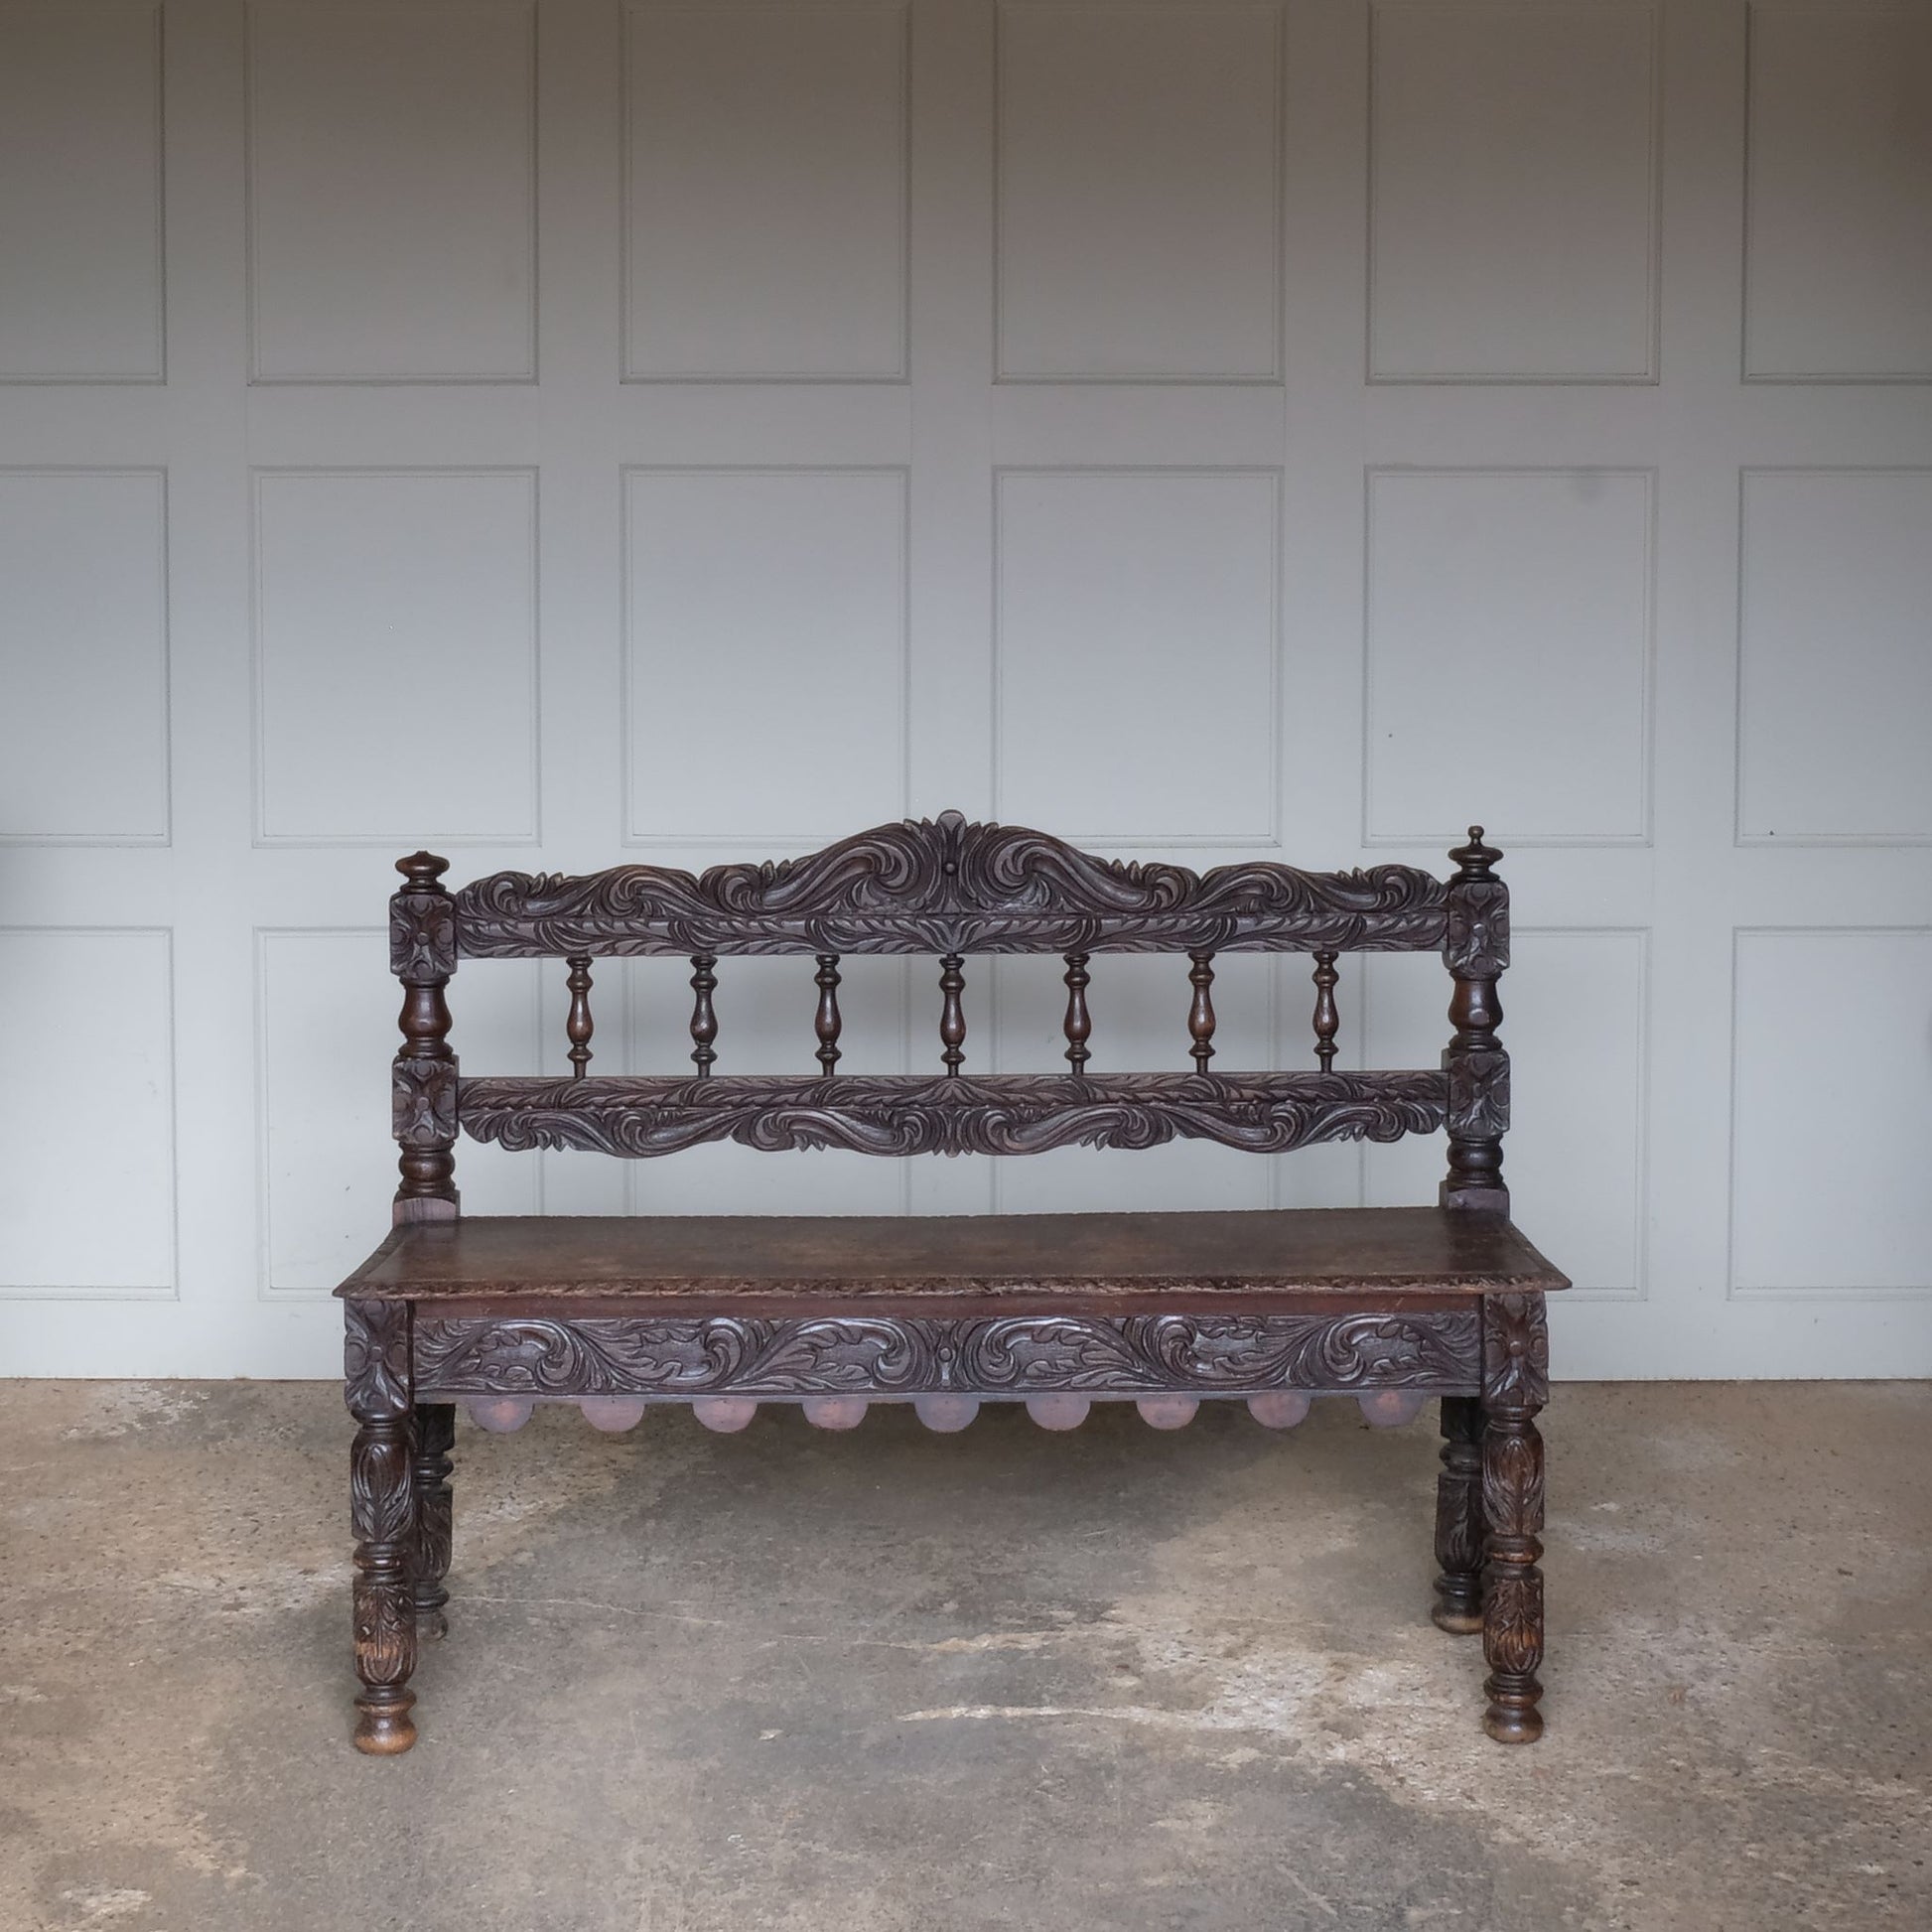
(886,1679)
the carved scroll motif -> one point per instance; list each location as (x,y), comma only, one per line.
(947,885)
(1015,1354)
(1263,1113)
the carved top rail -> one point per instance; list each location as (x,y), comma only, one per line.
(950,886)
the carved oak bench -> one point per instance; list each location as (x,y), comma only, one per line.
(1390,1306)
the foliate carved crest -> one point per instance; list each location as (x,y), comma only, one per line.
(376,1359)
(1013,1355)
(1475,940)
(1515,1352)
(422,937)
(1260,1113)
(944,886)
(1479,1091)
(423,1101)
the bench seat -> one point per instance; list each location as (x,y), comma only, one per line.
(826,1265)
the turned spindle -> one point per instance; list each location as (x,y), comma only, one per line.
(704,1017)
(1327,1017)
(579,1025)
(827,1023)
(1078,1026)
(1201,1014)
(952,1017)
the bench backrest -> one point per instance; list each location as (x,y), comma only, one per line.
(951,889)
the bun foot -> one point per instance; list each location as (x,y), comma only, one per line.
(385,1730)
(1513,1724)
(1459,1623)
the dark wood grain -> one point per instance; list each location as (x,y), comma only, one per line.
(1341,1251)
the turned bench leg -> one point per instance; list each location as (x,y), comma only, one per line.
(1458,1518)
(435,1437)
(382,1514)
(1515,1386)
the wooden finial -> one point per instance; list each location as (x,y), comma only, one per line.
(1474,860)
(422,868)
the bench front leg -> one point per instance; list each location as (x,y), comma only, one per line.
(1516,1357)
(382,1513)
(1458,1519)
(435,1437)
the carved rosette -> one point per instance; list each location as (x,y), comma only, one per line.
(993,1114)
(423,1102)
(376,1359)
(945,885)
(1515,1352)
(570,1357)
(1476,938)
(422,935)
(1478,1090)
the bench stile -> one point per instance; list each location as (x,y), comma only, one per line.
(1390,1306)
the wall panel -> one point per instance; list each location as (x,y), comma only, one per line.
(1513,194)
(392,192)
(1834,656)
(764,219)
(83,557)
(86,1196)
(1509,642)
(378,593)
(1839,244)
(80,221)
(1138,163)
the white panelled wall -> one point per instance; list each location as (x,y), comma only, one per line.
(558,432)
